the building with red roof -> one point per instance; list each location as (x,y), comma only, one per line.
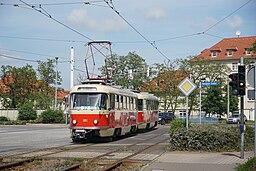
(229,51)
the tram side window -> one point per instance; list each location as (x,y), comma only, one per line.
(132,105)
(121,102)
(140,104)
(145,104)
(117,102)
(112,101)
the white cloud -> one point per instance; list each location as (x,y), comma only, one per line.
(203,23)
(80,18)
(156,13)
(235,22)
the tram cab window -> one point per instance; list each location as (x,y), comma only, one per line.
(89,101)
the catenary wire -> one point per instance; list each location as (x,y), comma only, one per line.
(26,52)
(226,16)
(151,43)
(49,16)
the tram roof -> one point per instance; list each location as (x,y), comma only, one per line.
(101,88)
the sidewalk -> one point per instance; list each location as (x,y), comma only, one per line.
(196,161)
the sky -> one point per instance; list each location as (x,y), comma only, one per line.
(157,30)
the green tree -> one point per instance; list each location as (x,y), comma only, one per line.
(165,85)
(200,69)
(129,71)
(20,85)
(214,102)
(47,75)
(47,72)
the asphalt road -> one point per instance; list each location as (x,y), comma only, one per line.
(16,139)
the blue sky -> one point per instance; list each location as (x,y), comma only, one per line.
(171,25)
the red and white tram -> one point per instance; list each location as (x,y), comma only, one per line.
(147,110)
(100,110)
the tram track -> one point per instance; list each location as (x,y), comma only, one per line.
(101,164)
(98,162)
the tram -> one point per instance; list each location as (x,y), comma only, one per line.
(97,109)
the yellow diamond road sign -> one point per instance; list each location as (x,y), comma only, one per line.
(187,86)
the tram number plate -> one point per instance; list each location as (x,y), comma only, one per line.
(80,130)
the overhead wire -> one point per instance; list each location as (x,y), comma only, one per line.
(226,17)
(44,39)
(151,43)
(45,13)
(26,52)
(21,59)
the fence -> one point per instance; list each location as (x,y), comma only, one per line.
(12,114)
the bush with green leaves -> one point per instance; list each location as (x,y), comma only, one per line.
(209,137)
(249,165)
(52,116)
(4,118)
(27,112)
(176,124)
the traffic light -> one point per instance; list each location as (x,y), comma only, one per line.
(234,83)
(241,80)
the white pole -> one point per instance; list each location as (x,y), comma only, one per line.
(200,105)
(187,112)
(72,67)
(254,110)
(56,82)
(228,104)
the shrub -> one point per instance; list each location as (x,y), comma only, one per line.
(177,124)
(250,165)
(208,137)
(3,118)
(27,112)
(52,116)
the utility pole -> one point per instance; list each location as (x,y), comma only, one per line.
(72,67)
(56,83)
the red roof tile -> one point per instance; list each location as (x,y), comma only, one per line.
(237,45)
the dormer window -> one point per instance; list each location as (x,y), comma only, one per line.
(247,52)
(214,53)
(230,52)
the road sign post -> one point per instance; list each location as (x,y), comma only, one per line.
(187,87)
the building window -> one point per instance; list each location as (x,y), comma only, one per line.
(214,53)
(250,94)
(234,66)
(230,52)
(247,52)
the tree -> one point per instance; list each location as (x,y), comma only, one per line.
(129,71)
(19,85)
(47,76)
(47,73)
(253,47)
(213,102)
(200,69)
(165,85)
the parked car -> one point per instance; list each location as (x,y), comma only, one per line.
(235,118)
(165,117)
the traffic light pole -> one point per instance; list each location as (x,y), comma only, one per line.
(242,116)
(242,125)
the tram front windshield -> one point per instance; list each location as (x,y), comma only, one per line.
(89,101)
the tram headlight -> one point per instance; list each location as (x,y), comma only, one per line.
(95,121)
(74,122)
